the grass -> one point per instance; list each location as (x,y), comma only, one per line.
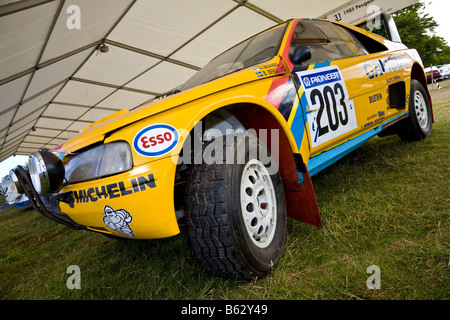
(442,84)
(386,204)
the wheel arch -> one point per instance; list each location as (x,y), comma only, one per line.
(417,73)
(301,201)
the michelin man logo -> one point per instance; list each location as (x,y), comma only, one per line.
(118,220)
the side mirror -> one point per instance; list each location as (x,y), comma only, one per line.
(301,53)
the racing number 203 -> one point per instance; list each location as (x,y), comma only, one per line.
(335,117)
(331,111)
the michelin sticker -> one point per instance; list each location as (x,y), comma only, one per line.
(331,112)
(156,140)
(118,220)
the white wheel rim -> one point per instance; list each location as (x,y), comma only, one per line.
(258,203)
(420,109)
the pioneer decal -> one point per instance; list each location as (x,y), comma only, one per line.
(156,140)
(114,190)
(318,78)
(118,220)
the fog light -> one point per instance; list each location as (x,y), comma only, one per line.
(16,182)
(46,171)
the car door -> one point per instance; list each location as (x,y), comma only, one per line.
(335,84)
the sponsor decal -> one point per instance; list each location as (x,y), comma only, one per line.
(375,98)
(365,125)
(393,79)
(320,78)
(57,151)
(114,190)
(378,120)
(269,69)
(156,140)
(375,68)
(371,117)
(259,73)
(118,220)
(380,116)
(331,112)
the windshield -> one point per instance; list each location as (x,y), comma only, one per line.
(260,48)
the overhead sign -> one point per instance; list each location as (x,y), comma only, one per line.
(362,10)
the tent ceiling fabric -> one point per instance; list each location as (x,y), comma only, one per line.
(54,81)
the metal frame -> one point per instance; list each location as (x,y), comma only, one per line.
(37,201)
(12,146)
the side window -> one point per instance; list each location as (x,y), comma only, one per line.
(378,29)
(370,44)
(326,41)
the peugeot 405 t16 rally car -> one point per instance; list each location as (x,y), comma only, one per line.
(232,153)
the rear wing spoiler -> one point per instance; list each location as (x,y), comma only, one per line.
(388,23)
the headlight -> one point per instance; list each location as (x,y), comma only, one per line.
(46,171)
(16,182)
(100,161)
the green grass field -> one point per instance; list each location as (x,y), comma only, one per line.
(386,204)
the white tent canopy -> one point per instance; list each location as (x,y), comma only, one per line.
(54,80)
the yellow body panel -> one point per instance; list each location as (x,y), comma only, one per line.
(148,201)
(153,210)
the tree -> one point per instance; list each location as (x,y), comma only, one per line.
(417,30)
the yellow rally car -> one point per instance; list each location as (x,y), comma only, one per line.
(231,154)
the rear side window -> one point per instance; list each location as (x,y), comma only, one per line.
(370,44)
(326,41)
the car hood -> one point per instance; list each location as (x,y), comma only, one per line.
(97,131)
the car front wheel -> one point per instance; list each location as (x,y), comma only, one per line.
(236,212)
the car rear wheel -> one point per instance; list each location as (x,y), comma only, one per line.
(418,125)
(236,212)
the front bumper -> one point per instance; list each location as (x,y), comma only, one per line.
(135,204)
(45,205)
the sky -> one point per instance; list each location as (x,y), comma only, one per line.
(10,163)
(438,9)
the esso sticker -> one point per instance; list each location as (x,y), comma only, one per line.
(156,140)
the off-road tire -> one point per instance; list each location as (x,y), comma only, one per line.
(214,214)
(418,125)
